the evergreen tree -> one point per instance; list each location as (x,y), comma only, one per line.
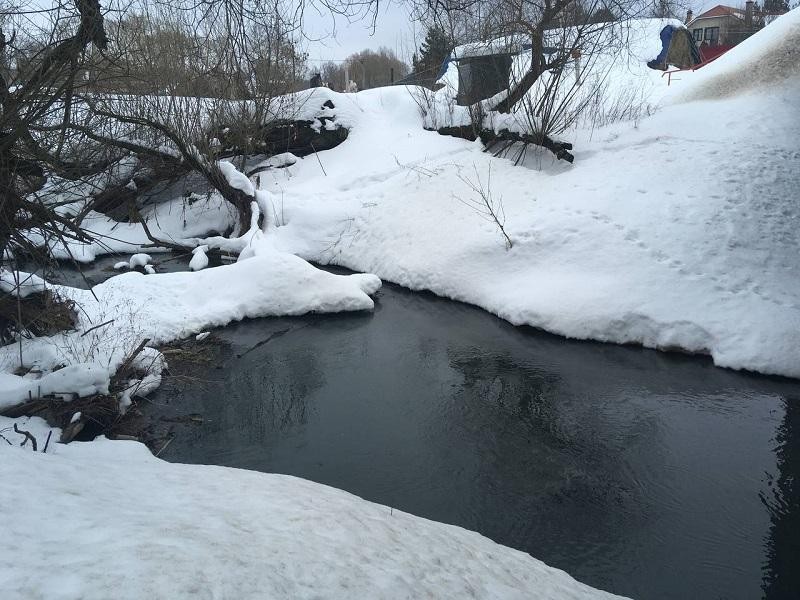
(603,15)
(664,9)
(433,52)
(776,7)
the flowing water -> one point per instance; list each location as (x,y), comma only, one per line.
(647,474)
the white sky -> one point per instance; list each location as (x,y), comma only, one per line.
(337,39)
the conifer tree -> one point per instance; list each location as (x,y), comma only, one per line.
(432,53)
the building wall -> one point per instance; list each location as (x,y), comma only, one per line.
(725,25)
(732,30)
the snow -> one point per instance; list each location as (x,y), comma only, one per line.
(236,178)
(675,231)
(176,220)
(110,520)
(199,259)
(670,232)
(19,284)
(80,379)
(139,260)
(281,160)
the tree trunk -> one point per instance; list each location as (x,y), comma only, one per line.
(489,137)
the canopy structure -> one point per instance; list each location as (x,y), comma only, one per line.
(481,77)
(484,68)
(677,49)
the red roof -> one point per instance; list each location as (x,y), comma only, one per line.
(720,10)
(709,53)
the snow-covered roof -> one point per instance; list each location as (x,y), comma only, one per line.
(510,44)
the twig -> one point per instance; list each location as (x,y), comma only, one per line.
(27,435)
(126,365)
(316,155)
(270,337)
(489,208)
(167,443)
(97,327)
(47,443)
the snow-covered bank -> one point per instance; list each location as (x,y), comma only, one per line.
(174,220)
(108,520)
(132,307)
(678,232)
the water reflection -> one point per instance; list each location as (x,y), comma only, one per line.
(782,568)
(244,406)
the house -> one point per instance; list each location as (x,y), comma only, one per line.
(722,27)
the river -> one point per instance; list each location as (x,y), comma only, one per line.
(647,474)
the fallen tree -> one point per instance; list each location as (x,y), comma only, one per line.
(491,139)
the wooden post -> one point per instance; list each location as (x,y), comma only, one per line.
(576,54)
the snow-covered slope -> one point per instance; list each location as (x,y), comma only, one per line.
(676,232)
(762,61)
(107,520)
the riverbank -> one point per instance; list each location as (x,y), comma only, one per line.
(110,520)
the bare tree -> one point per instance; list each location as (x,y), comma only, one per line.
(563,74)
(368,69)
(174,85)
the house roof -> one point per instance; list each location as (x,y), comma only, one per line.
(720,10)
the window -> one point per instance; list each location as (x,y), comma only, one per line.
(698,34)
(711,36)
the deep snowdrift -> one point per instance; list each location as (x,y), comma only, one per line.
(110,521)
(678,232)
(766,59)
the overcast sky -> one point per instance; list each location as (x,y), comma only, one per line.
(338,40)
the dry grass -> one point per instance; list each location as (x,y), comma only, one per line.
(38,314)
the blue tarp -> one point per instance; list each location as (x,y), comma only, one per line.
(666,39)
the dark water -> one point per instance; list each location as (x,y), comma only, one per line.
(645,474)
(89,275)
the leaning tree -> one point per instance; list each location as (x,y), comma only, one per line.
(93,98)
(548,94)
